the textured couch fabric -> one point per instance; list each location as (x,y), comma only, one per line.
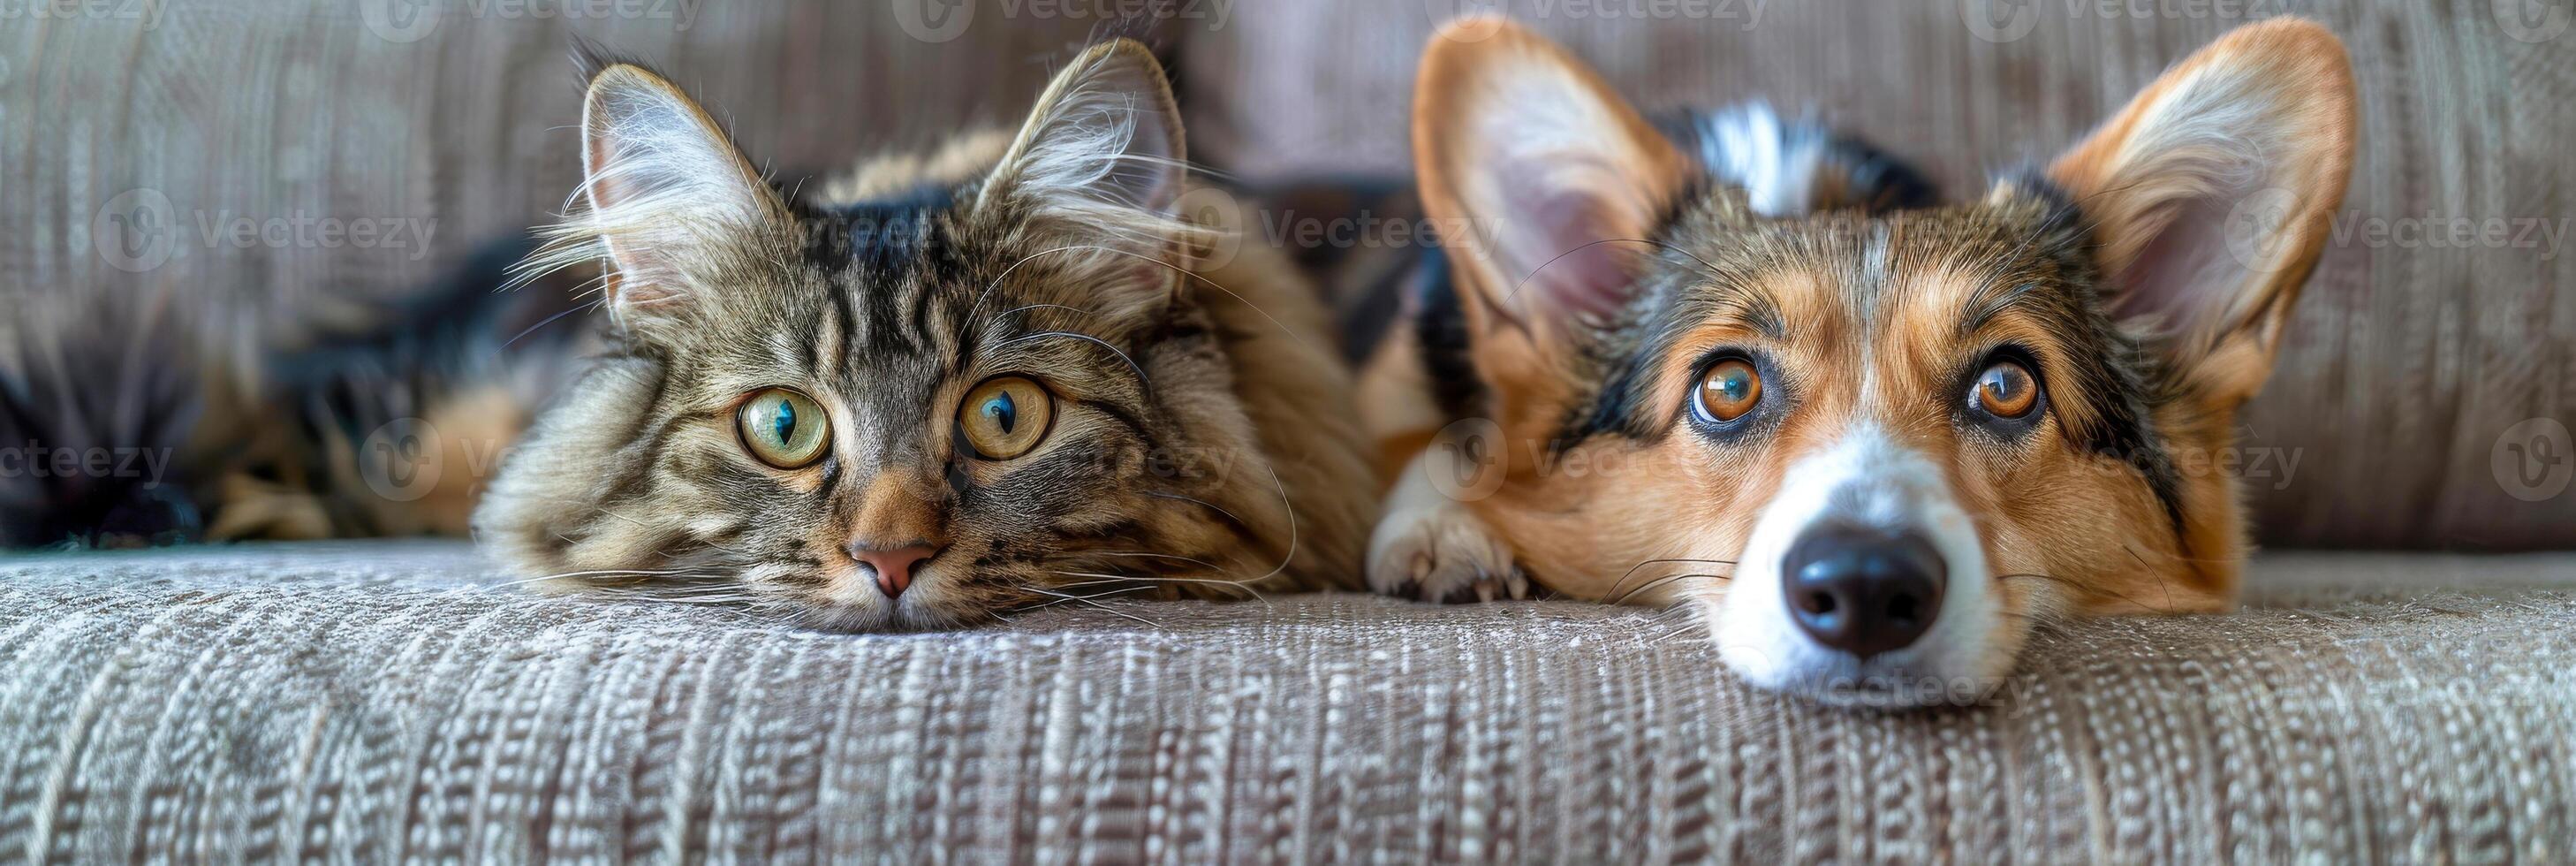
(376,703)
(393,701)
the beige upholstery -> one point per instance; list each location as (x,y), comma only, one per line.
(389,701)
(382,702)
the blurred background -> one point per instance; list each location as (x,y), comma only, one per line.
(256,160)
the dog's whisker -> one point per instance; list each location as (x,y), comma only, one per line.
(1663,581)
(1632,570)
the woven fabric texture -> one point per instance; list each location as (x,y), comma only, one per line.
(396,703)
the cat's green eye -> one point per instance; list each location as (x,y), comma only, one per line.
(1004,418)
(783,428)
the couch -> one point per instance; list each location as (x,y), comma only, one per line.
(2397,688)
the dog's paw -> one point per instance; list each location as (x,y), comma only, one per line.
(1442,554)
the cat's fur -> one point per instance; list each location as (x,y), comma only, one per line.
(1203,445)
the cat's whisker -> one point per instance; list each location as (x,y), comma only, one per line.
(606,572)
(1043,307)
(1138,369)
(1087,600)
(1209,565)
(996,284)
(1047,604)
(1211,506)
(584,308)
(1247,302)
(1243,586)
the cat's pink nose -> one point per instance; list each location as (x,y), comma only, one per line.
(893,564)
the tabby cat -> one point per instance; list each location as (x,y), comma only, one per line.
(1010,373)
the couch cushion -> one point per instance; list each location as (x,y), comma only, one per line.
(2413,361)
(139,137)
(388,701)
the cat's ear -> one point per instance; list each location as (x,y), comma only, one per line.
(1100,159)
(670,198)
(2211,195)
(1545,185)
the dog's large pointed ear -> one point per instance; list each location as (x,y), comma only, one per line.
(669,197)
(2212,194)
(1099,163)
(1544,182)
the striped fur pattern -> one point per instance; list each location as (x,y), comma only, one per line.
(1201,443)
(1940,421)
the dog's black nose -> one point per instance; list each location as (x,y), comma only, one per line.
(1863,591)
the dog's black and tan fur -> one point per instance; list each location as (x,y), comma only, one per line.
(2023,392)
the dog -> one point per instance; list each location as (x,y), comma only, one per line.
(1751,368)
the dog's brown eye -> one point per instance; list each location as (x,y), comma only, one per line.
(1004,418)
(1729,389)
(2006,390)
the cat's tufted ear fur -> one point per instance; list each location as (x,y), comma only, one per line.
(1099,168)
(666,198)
